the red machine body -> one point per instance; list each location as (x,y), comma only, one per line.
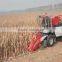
(55,20)
(35,42)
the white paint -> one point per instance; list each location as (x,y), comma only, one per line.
(58,31)
(42,38)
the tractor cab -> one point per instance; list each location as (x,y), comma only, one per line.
(46,24)
(49,24)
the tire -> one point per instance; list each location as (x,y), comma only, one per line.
(51,42)
(54,38)
(44,43)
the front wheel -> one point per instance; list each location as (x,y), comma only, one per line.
(44,43)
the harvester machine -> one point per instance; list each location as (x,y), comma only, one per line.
(51,29)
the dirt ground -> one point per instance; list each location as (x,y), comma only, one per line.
(49,54)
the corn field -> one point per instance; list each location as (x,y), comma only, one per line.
(13,44)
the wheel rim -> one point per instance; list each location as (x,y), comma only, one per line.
(51,42)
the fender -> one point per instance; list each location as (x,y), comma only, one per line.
(43,37)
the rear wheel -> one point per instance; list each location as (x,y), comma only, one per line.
(51,40)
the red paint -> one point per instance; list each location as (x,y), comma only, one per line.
(35,42)
(55,20)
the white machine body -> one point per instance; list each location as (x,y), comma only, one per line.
(58,31)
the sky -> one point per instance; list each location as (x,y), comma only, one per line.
(8,5)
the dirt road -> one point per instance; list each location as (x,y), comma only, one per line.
(49,54)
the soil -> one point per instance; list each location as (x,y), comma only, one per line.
(49,54)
